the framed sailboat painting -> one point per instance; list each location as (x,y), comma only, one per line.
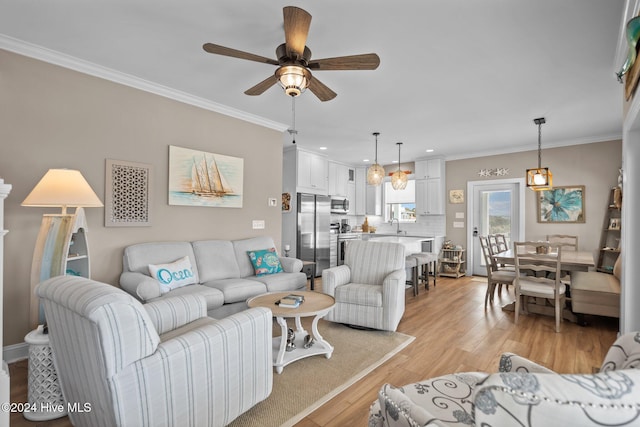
(198,178)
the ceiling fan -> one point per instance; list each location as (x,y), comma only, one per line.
(294,60)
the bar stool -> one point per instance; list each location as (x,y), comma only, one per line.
(411,262)
(427,261)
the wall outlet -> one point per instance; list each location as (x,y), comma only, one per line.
(273,202)
(258,224)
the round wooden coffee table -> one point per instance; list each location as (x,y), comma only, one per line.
(315,304)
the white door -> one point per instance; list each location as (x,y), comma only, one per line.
(496,206)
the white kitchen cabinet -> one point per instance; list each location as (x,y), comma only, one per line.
(351,196)
(359,203)
(339,175)
(430,196)
(430,186)
(374,200)
(429,168)
(312,173)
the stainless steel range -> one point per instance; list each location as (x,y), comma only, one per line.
(343,241)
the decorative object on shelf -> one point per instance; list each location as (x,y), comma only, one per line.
(198,178)
(375,173)
(539,178)
(399,178)
(562,204)
(456,196)
(291,337)
(51,257)
(493,172)
(127,196)
(614,224)
(632,34)
(286,202)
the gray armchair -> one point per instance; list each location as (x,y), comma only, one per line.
(523,393)
(369,288)
(162,364)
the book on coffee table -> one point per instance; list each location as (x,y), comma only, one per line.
(291,301)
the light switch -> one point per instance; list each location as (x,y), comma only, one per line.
(458,224)
(273,202)
(258,224)
(460,215)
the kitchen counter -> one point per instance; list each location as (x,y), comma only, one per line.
(412,244)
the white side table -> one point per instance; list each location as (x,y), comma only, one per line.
(45,394)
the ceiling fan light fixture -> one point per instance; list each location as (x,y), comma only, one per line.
(399,179)
(294,79)
(539,179)
(375,173)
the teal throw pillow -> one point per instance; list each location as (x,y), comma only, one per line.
(265,261)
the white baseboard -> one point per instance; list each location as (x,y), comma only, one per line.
(14,352)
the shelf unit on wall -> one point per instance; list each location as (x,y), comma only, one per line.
(61,248)
(452,263)
(610,238)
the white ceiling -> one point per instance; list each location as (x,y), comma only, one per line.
(460,77)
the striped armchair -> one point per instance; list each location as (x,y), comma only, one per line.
(162,364)
(369,288)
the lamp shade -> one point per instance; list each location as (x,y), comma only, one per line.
(62,188)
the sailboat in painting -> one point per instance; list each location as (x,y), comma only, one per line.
(206,179)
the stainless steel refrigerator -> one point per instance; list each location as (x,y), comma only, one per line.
(314,218)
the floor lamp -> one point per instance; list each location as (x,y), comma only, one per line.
(61,248)
(58,188)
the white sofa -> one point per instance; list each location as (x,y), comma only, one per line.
(165,363)
(222,272)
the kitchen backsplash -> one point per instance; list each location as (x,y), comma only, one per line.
(428,226)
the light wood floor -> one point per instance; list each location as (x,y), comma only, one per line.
(453,334)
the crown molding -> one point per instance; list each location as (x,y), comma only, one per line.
(546,145)
(56,58)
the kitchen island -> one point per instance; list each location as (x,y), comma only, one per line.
(412,244)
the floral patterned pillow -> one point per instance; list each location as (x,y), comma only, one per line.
(265,261)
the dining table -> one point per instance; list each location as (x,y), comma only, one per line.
(569,261)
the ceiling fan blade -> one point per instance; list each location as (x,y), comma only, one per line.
(227,51)
(366,61)
(262,86)
(296,29)
(320,90)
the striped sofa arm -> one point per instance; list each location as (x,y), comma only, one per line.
(170,313)
(207,376)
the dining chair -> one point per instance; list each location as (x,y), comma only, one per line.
(542,261)
(495,276)
(567,241)
(501,242)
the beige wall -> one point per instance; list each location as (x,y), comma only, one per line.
(593,165)
(51,117)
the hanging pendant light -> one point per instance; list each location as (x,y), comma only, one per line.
(375,173)
(399,178)
(540,178)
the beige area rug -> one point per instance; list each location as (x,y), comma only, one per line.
(305,385)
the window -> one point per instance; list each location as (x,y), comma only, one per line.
(400,204)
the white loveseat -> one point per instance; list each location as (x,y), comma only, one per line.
(222,272)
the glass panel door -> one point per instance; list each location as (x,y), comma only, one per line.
(496,212)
